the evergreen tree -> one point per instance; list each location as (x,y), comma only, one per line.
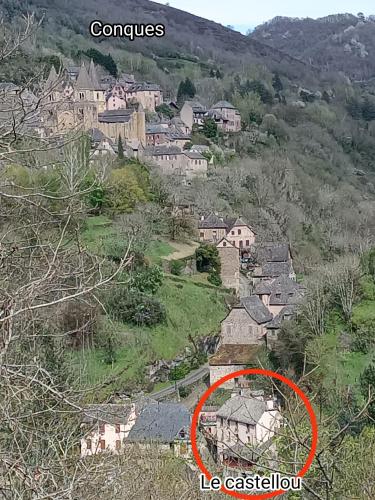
(276,83)
(186,90)
(120,148)
(209,128)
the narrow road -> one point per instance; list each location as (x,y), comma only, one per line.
(191,378)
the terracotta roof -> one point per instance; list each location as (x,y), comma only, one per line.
(234,354)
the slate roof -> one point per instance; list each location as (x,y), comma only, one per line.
(233,354)
(243,409)
(84,80)
(256,309)
(223,105)
(193,155)
(212,221)
(274,269)
(289,310)
(162,150)
(156,128)
(282,290)
(197,107)
(160,422)
(143,87)
(216,115)
(115,116)
(108,413)
(272,252)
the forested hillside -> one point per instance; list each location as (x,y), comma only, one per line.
(342,42)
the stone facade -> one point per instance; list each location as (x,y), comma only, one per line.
(230,264)
(240,328)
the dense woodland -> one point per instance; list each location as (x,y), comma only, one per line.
(85,305)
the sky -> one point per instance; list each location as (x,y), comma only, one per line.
(245,14)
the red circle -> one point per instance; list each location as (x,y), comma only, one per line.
(266,373)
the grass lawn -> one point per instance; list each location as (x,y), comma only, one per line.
(97,230)
(157,250)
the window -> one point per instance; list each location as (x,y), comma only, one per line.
(201,235)
(102,444)
(290,294)
(101,428)
(239,231)
(117,428)
(232,232)
(247,243)
(278,295)
(81,95)
(241,243)
(118,445)
(89,444)
(97,95)
(224,243)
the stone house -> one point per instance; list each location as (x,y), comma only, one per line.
(271,261)
(230,120)
(156,134)
(279,292)
(127,123)
(245,422)
(149,95)
(172,160)
(240,234)
(165,425)
(230,358)
(273,327)
(106,427)
(213,228)
(101,145)
(230,264)
(246,323)
(195,164)
(192,113)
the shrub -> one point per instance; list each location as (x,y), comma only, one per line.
(207,257)
(177,267)
(179,372)
(135,307)
(184,391)
(148,280)
(214,278)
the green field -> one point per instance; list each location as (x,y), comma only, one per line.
(191,310)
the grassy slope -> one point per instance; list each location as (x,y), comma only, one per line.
(193,308)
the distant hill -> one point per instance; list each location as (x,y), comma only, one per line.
(341,42)
(185,32)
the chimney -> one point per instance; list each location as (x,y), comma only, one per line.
(202,217)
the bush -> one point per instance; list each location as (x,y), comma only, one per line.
(177,267)
(179,372)
(207,257)
(184,391)
(134,307)
(214,278)
(148,280)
